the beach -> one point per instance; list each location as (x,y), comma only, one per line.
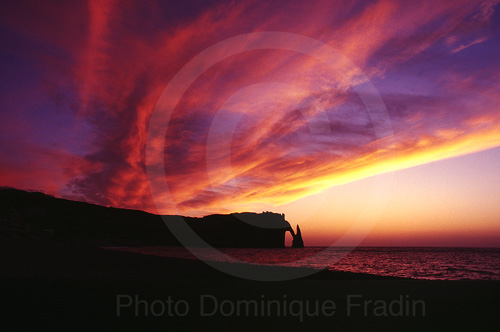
(59,285)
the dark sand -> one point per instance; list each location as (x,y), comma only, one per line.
(75,287)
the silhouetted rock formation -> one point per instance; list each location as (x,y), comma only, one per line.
(33,215)
(266,230)
(297,239)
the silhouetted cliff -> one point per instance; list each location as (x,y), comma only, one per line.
(33,215)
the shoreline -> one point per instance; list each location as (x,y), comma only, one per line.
(49,260)
(52,260)
(60,285)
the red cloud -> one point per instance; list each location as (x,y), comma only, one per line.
(110,62)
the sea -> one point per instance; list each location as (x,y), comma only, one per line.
(408,262)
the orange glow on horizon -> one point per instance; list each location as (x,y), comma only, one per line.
(265,129)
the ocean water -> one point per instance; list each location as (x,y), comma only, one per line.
(408,262)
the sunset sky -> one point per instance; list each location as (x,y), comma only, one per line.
(267,128)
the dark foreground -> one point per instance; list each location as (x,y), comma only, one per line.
(48,286)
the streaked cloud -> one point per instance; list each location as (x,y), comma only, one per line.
(107,63)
